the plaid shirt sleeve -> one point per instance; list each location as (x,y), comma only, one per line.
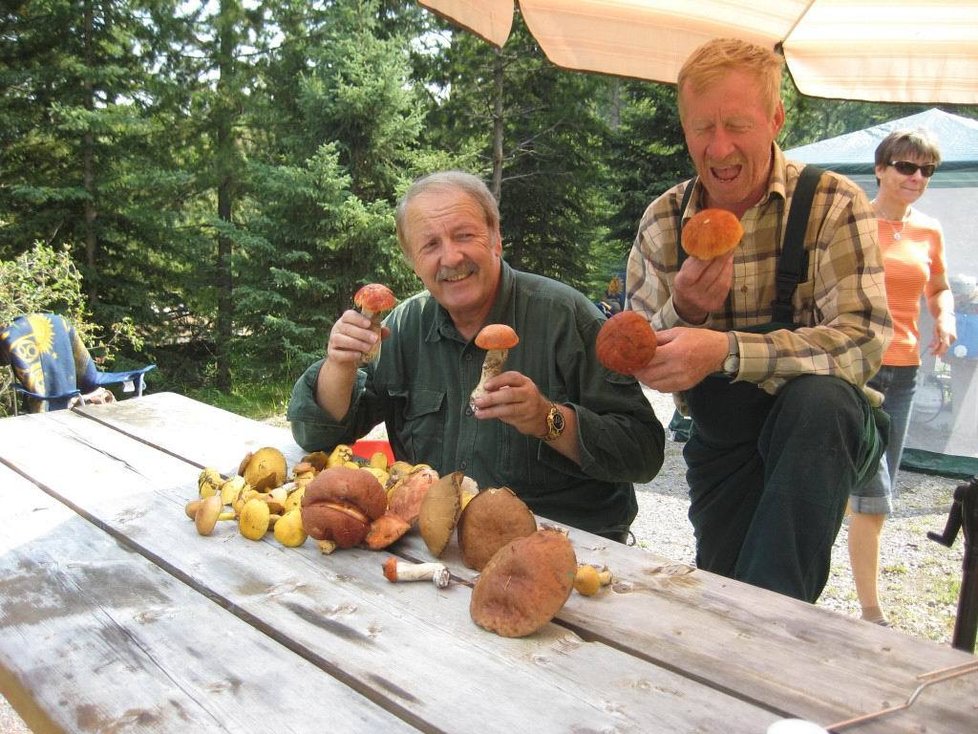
(840,307)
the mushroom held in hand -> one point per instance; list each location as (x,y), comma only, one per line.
(497,340)
(711,232)
(374,301)
(525,584)
(340,504)
(625,343)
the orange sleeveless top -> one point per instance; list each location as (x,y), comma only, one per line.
(913,252)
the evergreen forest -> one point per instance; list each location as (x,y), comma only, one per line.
(205,185)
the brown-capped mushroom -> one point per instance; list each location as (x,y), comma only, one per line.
(340,504)
(625,343)
(386,530)
(525,584)
(497,340)
(439,512)
(209,511)
(374,300)
(492,518)
(711,232)
(407,493)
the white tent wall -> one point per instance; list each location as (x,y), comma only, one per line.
(943,434)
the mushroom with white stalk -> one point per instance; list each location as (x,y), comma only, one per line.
(437,573)
(374,300)
(497,340)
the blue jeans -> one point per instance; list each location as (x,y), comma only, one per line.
(898,385)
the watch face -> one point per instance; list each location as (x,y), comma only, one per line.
(558,420)
(731,365)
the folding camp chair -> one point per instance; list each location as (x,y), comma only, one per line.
(51,366)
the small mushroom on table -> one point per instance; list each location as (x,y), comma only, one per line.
(497,340)
(374,300)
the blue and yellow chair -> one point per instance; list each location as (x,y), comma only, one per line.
(51,365)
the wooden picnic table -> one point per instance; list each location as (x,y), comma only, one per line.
(117,616)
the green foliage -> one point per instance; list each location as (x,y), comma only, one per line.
(257,399)
(224,174)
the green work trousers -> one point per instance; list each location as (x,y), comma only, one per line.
(769,477)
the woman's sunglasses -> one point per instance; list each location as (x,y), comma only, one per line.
(909,169)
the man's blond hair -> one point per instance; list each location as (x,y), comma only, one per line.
(716,58)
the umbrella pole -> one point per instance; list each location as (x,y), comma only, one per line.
(964,514)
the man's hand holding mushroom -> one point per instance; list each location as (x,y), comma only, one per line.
(515,399)
(352,336)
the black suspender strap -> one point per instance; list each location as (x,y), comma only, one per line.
(687,195)
(793,263)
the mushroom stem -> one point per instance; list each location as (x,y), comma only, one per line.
(437,573)
(492,366)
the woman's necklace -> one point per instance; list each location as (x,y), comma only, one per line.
(884,217)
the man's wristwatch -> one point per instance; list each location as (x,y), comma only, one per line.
(731,364)
(555,423)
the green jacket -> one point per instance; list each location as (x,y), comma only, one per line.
(420,389)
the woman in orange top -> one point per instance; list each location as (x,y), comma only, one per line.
(912,245)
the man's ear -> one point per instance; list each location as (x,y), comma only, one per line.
(778,118)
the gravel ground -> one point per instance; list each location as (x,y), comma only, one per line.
(919,579)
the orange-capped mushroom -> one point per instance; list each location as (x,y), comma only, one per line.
(711,232)
(497,340)
(625,343)
(374,300)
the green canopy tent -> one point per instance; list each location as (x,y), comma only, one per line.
(943,437)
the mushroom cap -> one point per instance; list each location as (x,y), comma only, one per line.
(439,512)
(625,343)
(525,584)
(264,469)
(340,504)
(711,232)
(207,513)
(407,493)
(497,336)
(374,297)
(385,530)
(490,520)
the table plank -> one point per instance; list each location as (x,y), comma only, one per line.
(800,659)
(135,647)
(409,644)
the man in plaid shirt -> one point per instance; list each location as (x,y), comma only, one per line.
(783,424)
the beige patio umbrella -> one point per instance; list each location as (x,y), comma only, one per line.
(874,50)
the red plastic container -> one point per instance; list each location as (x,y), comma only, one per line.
(366,449)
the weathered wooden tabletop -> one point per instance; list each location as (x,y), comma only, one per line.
(115,615)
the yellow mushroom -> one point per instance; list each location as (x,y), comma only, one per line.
(254,520)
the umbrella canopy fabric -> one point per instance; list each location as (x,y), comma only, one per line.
(876,50)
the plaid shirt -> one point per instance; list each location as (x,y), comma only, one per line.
(840,307)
